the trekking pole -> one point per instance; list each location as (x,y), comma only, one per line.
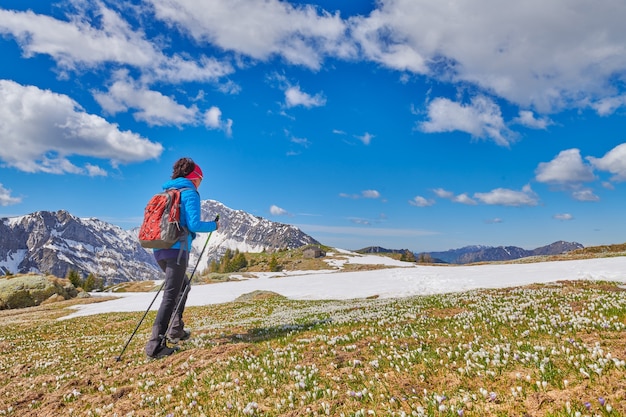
(119,357)
(187,287)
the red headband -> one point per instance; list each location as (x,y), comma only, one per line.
(196,174)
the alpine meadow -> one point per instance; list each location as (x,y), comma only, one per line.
(545,349)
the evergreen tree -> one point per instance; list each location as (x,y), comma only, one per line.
(74,277)
(239,262)
(273,265)
(214,266)
(425,258)
(407,256)
(225,263)
(99,284)
(89,282)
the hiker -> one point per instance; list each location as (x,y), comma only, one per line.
(186,176)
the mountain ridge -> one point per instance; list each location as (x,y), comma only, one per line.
(480,253)
(55,242)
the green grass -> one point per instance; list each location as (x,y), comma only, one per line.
(542,350)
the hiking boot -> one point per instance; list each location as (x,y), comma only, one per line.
(163,352)
(185,335)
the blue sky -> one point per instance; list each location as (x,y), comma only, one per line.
(414,124)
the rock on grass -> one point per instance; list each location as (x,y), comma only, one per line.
(31,290)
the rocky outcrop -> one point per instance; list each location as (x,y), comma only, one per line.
(31,290)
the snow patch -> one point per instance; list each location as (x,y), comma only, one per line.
(384,283)
(13,260)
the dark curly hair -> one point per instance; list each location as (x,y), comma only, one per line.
(183,167)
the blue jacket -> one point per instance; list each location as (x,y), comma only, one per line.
(190,213)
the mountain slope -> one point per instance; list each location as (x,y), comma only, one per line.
(245,232)
(55,242)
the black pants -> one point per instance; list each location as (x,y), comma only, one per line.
(175,280)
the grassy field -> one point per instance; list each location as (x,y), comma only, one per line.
(543,350)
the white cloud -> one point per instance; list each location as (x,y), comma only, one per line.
(79,43)
(370,194)
(40,130)
(95,171)
(419,201)
(212,117)
(154,108)
(525,53)
(301,35)
(6,199)
(538,55)
(381,42)
(448,195)
(608,105)
(441,193)
(464,199)
(481,119)
(175,69)
(567,172)
(584,195)
(151,107)
(85,41)
(527,118)
(366,138)
(565,169)
(507,197)
(613,161)
(213,120)
(296,97)
(300,141)
(76,42)
(563,216)
(277,211)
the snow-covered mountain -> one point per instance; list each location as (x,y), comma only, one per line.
(245,232)
(55,242)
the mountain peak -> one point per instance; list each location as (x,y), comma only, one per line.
(55,242)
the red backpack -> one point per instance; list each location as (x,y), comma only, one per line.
(161,221)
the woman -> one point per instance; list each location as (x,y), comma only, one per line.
(186,176)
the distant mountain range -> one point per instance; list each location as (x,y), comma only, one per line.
(470,254)
(55,242)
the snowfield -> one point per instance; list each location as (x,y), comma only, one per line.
(402,279)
